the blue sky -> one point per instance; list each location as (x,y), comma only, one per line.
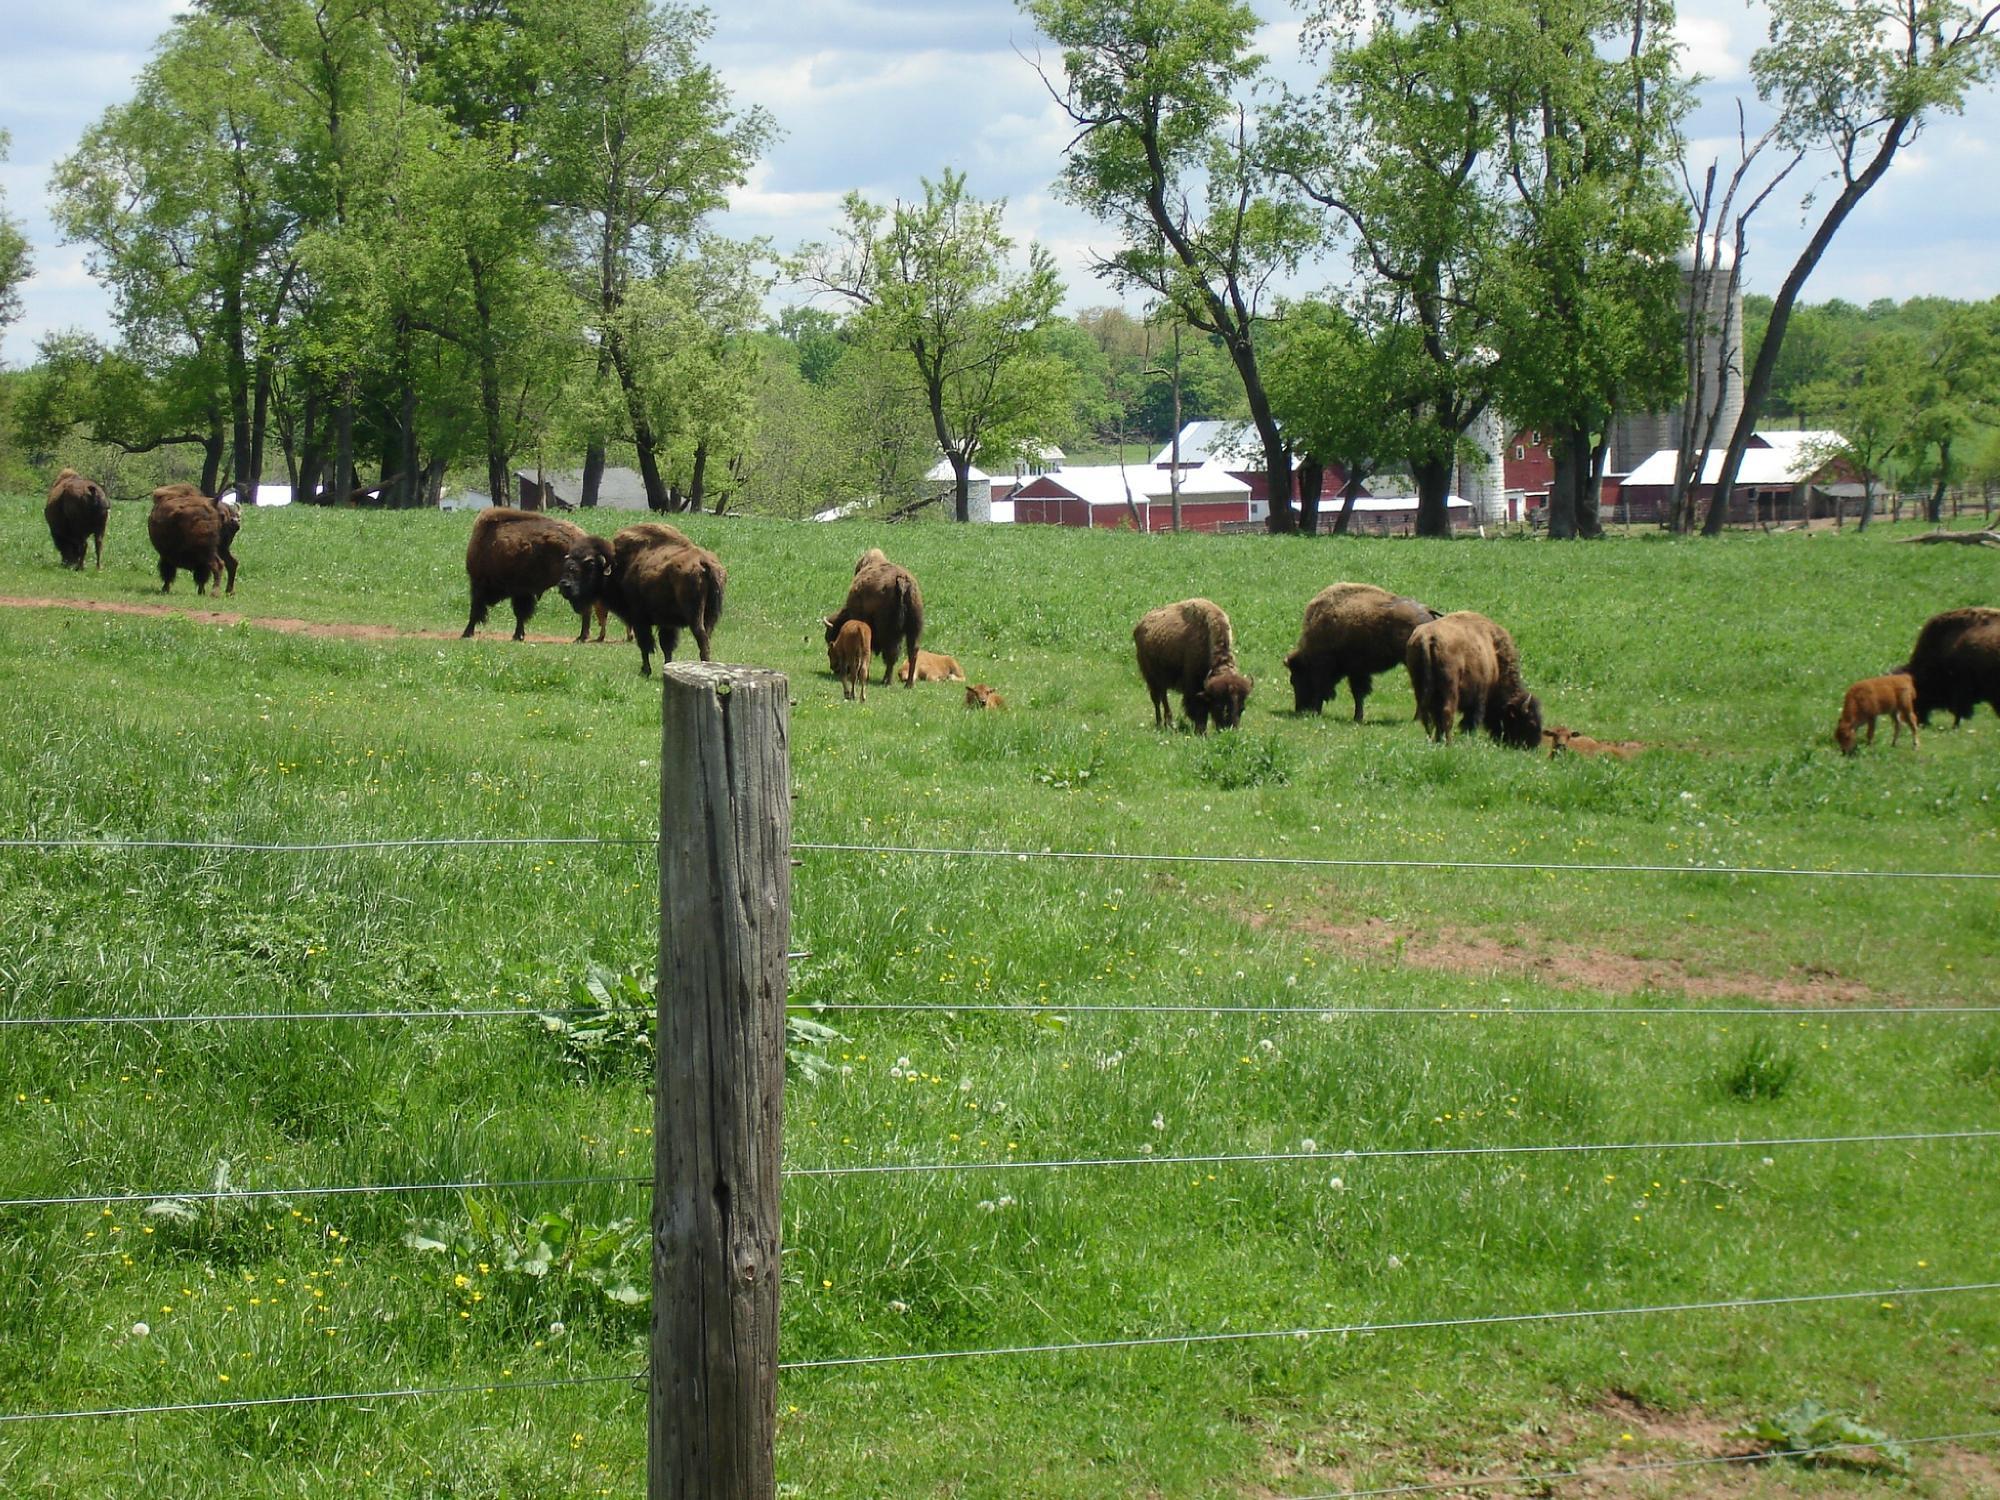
(876,94)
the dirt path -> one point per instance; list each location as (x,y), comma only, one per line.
(317,628)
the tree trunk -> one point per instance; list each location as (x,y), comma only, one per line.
(312,445)
(343,442)
(499,479)
(642,429)
(593,475)
(1348,496)
(407,461)
(1758,388)
(1312,474)
(211,454)
(260,418)
(1283,519)
(696,478)
(1433,478)
(1867,504)
(1934,512)
(236,370)
(1590,499)
(432,494)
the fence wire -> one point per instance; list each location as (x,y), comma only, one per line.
(1654,1466)
(1443,1012)
(1161,1341)
(1415,1325)
(1294,861)
(1044,1164)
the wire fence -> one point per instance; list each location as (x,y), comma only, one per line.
(1187,1340)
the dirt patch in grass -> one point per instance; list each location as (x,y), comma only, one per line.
(1564,966)
(1620,1448)
(317,628)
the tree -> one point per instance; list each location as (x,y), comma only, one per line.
(1956,385)
(1164,153)
(1400,143)
(1587,316)
(640,144)
(14,263)
(1857,80)
(1870,406)
(933,281)
(1346,387)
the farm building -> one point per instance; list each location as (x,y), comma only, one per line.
(618,489)
(1134,496)
(1786,476)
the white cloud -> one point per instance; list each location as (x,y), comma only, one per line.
(1707,49)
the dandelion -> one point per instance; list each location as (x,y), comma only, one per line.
(140,1330)
(1159,1122)
(1336,1184)
(1309,1144)
(1395,1262)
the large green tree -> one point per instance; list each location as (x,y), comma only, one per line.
(15,265)
(1164,153)
(934,279)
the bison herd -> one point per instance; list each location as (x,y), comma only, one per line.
(1464,669)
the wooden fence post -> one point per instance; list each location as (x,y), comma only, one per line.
(725,925)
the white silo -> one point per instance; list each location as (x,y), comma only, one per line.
(1482,476)
(1708,282)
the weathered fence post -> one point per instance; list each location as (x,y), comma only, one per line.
(725,924)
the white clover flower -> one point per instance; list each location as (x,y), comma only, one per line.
(140,1330)
(1159,1122)
(1309,1144)
(902,1062)
(1395,1262)
(986,1205)
(1336,1184)
(965,1085)
(556,1330)
(901,1307)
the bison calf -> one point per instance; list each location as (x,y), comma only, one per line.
(653,578)
(979,695)
(887,597)
(1189,648)
(1464,669)
(1894,695)
(77,513)
(932,667)
(848,656)
(191,531)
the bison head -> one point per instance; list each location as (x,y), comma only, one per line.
(586,569)
(1519,722)
(1226,692)
(1310,685)
(832,624)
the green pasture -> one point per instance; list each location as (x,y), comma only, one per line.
(1728,658)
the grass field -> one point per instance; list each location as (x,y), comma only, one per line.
(1728,657)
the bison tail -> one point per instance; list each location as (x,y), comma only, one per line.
(714,580)
(1429,686)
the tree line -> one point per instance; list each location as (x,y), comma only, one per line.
(335,228)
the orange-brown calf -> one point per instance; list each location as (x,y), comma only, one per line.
(848,656)
(979,695)
(1869,699)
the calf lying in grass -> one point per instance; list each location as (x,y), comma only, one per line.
(1869,699)
(979,695)
(1560,738)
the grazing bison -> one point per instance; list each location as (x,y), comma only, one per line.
(77,512)
(1870,698)
(931,667)
(1464,668)
(518,555)
(1956,663)
(1352,630)
(887,598)
(653,578)
(1188,648)
(848,656)
(189,530)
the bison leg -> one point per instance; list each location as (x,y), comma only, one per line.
(670,640)
(480,604)
(229,561)
(1358,684)
(100,555)
(524,609)
(167,572)
(700,633)
(1195,707)
(603,614)
(644,631)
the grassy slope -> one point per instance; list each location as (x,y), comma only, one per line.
(1732,656)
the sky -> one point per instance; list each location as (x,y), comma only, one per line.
(877,94)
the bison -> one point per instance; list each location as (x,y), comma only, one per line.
(848,656)
(1188,647)
(1870,698)
(1352,631)
(77,512)
(979,696)
(931,667)
(518,555)
(653,578)
(189,530)
(887,598)
(1956,663)
(1464,668)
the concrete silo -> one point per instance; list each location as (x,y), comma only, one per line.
(1482,476)
(1710,284)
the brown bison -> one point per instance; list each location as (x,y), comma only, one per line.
(1956,663)
(189,530)
(1352,631)
(653,578)
(1870,698)
(77,512)
(887,598)
(979,696)
(1464,668)
(848,656)
(1188,648)
(518,555)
